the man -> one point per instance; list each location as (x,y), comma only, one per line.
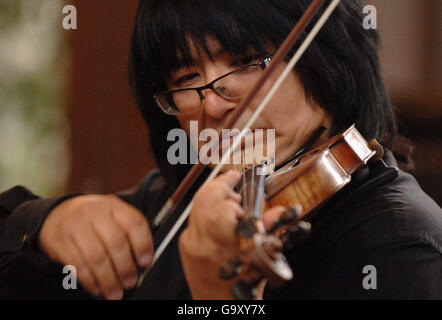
(382,220)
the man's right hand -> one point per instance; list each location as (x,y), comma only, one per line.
(103,237)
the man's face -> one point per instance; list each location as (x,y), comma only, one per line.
(293,117)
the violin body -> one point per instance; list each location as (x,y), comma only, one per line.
(303,186)
(310,180)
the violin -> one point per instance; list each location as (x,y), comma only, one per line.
(303,186)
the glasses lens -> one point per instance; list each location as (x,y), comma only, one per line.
(179,102)
(239,83)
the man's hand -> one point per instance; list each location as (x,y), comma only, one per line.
(103,237)
(210,239)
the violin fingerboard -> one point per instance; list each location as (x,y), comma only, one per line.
(251,189)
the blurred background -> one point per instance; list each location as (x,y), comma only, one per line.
(68,122)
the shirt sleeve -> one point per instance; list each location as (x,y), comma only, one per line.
(25,271)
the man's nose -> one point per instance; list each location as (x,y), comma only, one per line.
(216,106)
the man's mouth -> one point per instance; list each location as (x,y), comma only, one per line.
(247,140)
(252,148)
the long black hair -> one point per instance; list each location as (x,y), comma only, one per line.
(340,70)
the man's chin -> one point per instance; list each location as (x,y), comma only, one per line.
(246,163)
(225,167)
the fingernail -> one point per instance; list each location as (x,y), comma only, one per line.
(282,209)
(130,282)
(145,259)
(116,295)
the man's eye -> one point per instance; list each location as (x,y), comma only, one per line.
(246,61)
(185,79)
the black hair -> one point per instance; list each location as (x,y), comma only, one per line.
(340,70)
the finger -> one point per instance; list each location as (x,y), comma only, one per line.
(70,255)
(95,256)
(231,178)
(67,254)
(221,226)
(138,232)
(117,245)
(216,191)
(232,195)
(228,211)
(271,216)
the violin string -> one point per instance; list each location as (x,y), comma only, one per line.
(252,191)
(305,44)
(244,186)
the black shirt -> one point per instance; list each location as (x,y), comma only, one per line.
(378,238)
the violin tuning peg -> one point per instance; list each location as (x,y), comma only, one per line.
(246,228)
(230,269)
(305,227)
(297,234)
(246,289)
(287,217)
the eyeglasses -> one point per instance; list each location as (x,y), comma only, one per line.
(230,86)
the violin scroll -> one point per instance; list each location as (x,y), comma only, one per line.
(265,260)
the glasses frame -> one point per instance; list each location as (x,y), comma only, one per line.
(264,64)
